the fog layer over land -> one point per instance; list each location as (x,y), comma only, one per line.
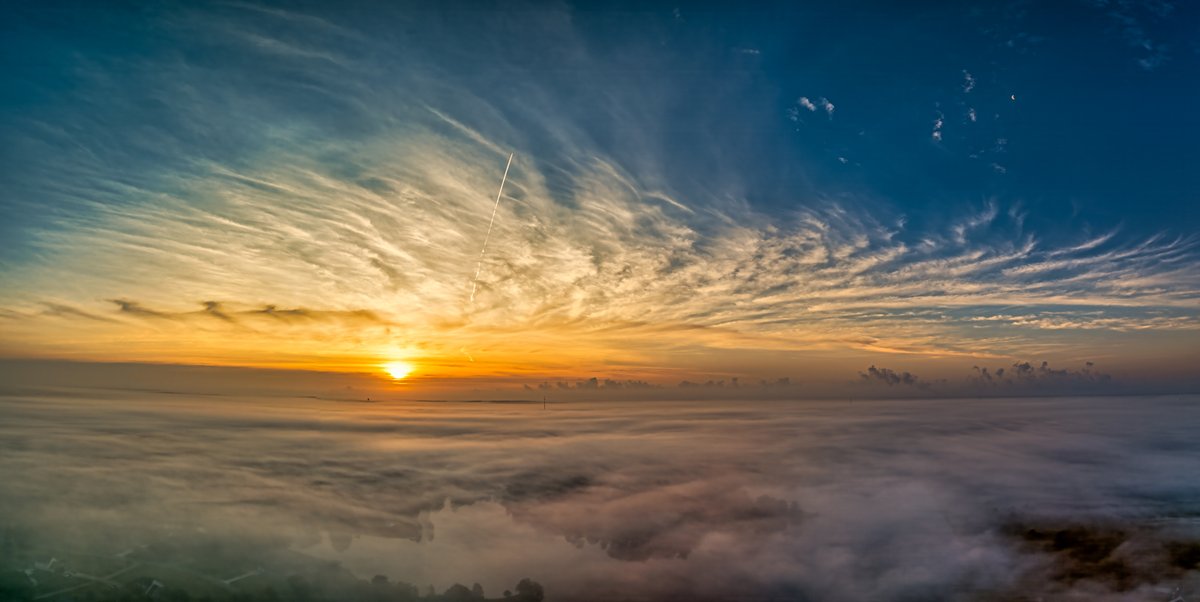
(1085,498)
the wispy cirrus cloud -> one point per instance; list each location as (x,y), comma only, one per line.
(381,228)
(1135,20)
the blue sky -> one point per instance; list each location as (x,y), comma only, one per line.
(1101,132)
(1039,157)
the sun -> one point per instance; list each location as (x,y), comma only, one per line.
(397,370)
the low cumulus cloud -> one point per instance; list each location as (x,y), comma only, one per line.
(1029,374)
(730,387)
(819,500)
(736,383)
(1016,378)
(590,384)
(890,377)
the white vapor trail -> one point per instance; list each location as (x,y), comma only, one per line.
(482,251)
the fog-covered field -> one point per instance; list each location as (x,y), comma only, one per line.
(999,499)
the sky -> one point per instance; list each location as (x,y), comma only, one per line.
(861,195)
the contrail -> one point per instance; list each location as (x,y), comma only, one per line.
(479,265)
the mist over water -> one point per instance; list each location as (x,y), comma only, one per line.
(1063,498)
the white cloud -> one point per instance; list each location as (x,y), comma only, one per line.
(827,106)
(1087,245)
(972,222)
(807,104)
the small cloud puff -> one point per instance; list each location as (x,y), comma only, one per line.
(807,104)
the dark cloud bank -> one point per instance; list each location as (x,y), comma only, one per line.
(1001,499)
